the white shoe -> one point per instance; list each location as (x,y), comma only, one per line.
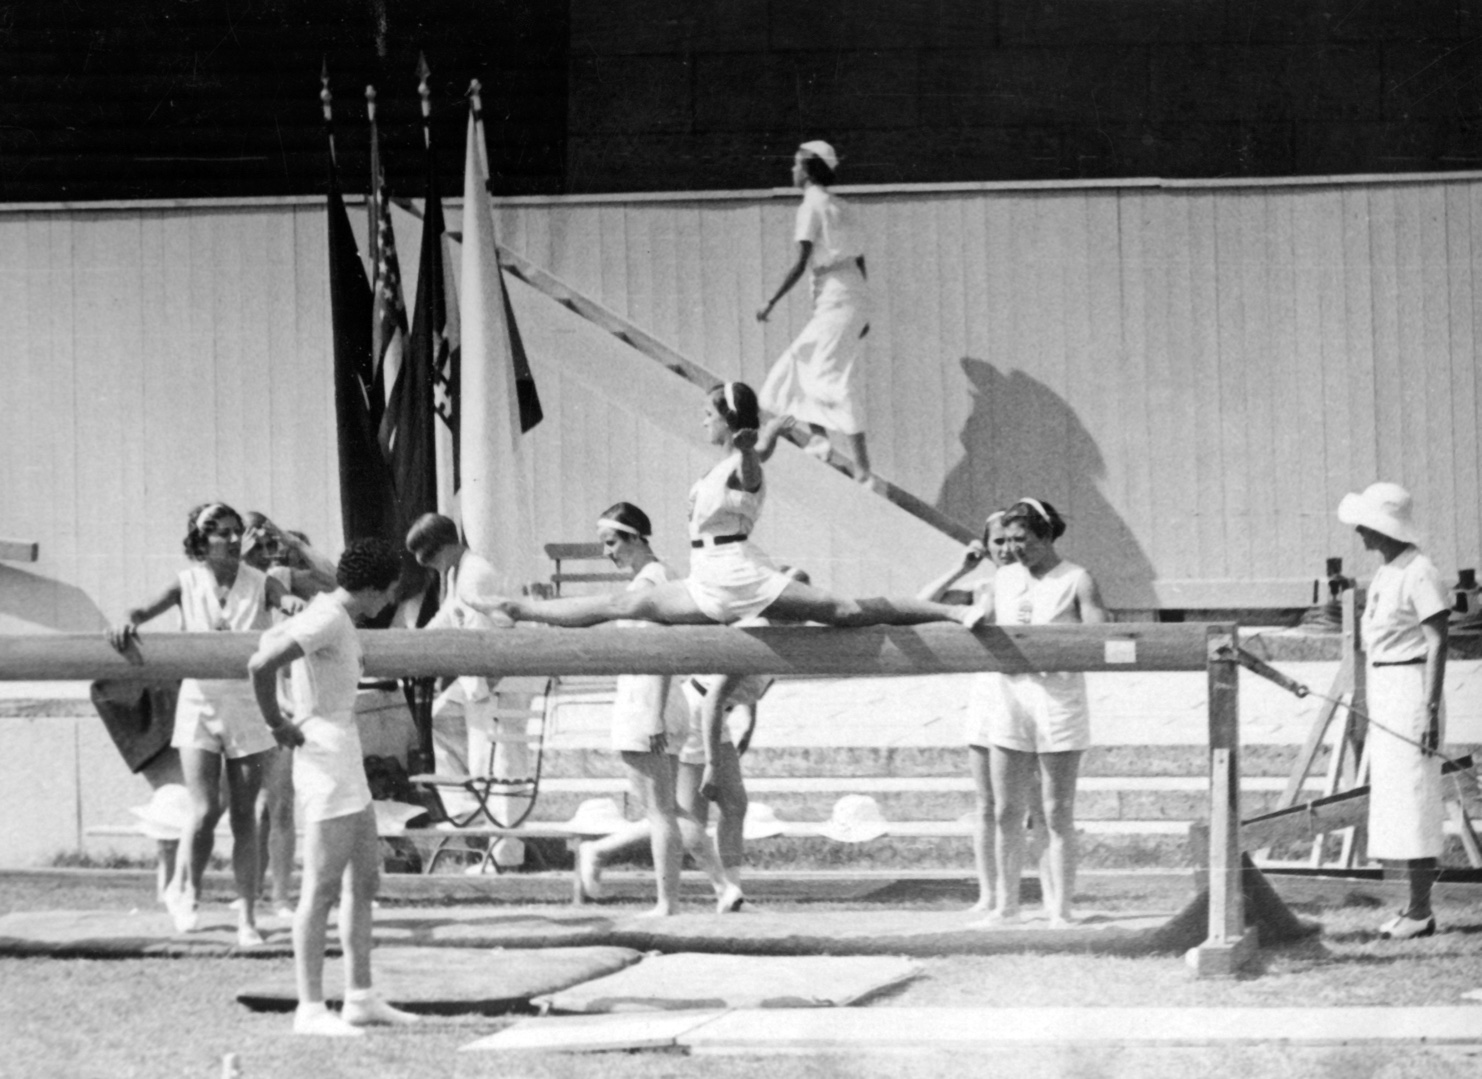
(318,1021)
(373,1011)
(184,911)
(248,936)
(817,447)
(588,872)
(730,899)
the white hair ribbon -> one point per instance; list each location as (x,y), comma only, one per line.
(204,517)
(1038,507)
(618,526)
(731,397)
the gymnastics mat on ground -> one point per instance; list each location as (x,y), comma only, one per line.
(595,1033)
(455,981)
(702,980)
(144,933)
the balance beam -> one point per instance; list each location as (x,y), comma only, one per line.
(609,650)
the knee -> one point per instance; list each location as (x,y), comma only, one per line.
(1060,815)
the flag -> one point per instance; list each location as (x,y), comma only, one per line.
(496,490)
(389,323)
(365,482)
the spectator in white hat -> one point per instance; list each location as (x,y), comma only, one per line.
(1404,631)
(814,380)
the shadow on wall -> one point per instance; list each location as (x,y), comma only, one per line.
(1022,438)
(27,600)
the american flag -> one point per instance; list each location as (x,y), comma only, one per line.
(388,320)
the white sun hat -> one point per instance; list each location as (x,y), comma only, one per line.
(823,151)
(857,818)
(1386,508)
(166,814)
(761,822)
(597,816)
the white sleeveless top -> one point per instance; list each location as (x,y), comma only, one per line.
(718,509)
(1019,599)
(243,609)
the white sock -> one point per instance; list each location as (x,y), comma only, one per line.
(313,1018)
(364,1007)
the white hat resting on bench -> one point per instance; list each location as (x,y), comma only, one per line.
(761,822)
(597,816)
(857,818)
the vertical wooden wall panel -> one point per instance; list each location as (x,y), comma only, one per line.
(1438,503)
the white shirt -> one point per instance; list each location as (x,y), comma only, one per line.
(1403,594)
(831,225)
(324,680)
(718,509)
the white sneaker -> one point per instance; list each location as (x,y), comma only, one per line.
(248,936)
(185,912)
(373,1011)
(318,1021)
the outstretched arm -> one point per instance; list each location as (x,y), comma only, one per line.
(120,635)
(805,251)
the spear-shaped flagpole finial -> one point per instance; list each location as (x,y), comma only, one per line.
(476,106)
(370,103)
(475,98)
(326,99)
(423,74)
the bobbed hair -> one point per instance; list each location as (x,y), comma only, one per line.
(817,169)
(996,517)
(430,533)
(202,522)
(1047,525)
(746,413)
(368,563)
(625,513)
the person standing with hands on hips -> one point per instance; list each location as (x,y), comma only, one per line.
(1405,631)
(340,845)
(813,381)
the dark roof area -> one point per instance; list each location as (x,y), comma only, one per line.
(111,99)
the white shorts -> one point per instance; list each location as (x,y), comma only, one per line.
(733,582)
(1405,811)
(692,751)
(220,717)
(328,769)
(633,709)
(1034,713)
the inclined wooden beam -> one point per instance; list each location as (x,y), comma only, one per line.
(935,649)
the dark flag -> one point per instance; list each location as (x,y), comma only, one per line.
(365,482)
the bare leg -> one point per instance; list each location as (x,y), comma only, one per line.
(361,878)
(668,603)
(328,847)
(804,603)
(243,782)
(694,818)
(1012,775)
(277,828)
(983,825)
(656,775)
(861,456)
(1059,772)
(202,773)
(730,827)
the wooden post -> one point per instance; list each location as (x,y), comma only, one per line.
(1230,943)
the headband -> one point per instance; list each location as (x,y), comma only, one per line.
(204,517)
(994,516)
(730,394)
(618,526)
(1038,507)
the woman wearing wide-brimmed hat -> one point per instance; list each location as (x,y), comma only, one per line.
(1405,638)
(1404,631)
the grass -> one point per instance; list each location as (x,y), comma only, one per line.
(160,1017)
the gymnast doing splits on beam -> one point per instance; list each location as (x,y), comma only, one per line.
(732,578)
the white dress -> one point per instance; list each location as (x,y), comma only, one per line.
(1405,811)
(729,581)
(328,769)
(813,381)
(1042,712)
(221,715)
(639,696)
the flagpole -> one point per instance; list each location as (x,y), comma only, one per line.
(476,102)
(326,99)
(373,205)
(425,92)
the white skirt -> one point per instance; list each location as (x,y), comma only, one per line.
(1405,812)
(637,699)
(328,769)
(733,582)
(813,381)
